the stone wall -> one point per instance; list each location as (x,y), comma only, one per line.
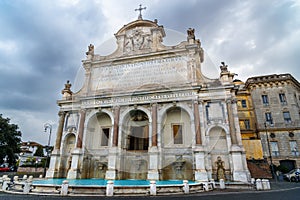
(30,169)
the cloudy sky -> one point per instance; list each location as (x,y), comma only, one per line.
(42,43)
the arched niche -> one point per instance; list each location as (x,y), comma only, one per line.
(99,129)
(135,131)
(176,128)
(66,158)
(219,152)
(135,142)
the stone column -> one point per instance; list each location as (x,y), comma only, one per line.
(202,120)
(60,129)
(81,128)
(53,170)
(200,172)
(236,123)
(197,123)
(153,150)
(154,124)
(113,151)
(116,125)
(231,122)
(240,171)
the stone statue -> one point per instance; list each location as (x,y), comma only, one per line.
(146,42)
(223,67)
(90,50)
(220,169)
(128,44)
(68,85)
(66,92)
(69,163)
(137,39)
(191,33)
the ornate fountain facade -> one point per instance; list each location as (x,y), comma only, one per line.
(146,111)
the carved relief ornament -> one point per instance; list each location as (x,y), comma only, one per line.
(138,40)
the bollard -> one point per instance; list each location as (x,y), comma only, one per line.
(5,184)
(186,188)
(110,189)
(16,178)
(24,177)
(259,184)
(265,184)
(64,188)
(30,178)
(205,186)
(153,188)
(213,183)
(252,181)
(222,184)
(27,187)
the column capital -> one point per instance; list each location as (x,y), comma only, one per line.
(82,110)
(153,104)
(231,100)
(62,113)
(60,128)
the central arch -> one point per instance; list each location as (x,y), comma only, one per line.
(135,143)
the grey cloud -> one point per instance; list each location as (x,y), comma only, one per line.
(51,43)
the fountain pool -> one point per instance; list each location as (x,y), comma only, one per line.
(120,187)
(103,182)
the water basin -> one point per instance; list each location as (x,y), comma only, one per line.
(103,182)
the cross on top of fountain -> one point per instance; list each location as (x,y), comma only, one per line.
(140,10)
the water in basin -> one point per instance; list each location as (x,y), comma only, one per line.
(102,182)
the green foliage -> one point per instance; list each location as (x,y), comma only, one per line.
(39,151)
(10,140)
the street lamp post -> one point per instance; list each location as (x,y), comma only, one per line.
(270,153)
(5,161)
(36,163)
(47,126)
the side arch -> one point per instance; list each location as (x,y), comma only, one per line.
(69,141)
(189,126)
(218,149)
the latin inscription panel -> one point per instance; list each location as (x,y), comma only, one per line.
(135,75)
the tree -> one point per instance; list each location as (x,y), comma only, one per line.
(10,140)
(39,151)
